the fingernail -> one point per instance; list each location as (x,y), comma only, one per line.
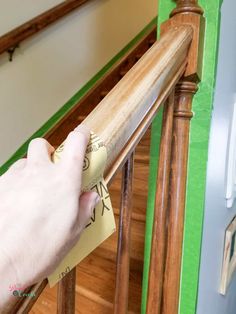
(97,198)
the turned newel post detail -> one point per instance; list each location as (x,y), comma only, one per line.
(166,254)
(184,93)
(186,12)
(187,6)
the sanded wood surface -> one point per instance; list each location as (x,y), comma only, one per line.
(14,37)
(120,113)
(100,89)
(195,56)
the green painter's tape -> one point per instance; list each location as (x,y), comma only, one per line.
(154,152)
(198,153)
(74,100)
(197,166)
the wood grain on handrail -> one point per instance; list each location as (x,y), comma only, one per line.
(101,88)
(120,113)
(14,37)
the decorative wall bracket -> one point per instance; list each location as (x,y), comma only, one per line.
(11,51)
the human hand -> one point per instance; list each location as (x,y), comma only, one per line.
(42,212)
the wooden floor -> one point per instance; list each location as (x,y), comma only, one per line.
(96,274)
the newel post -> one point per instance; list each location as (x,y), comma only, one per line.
(166,254)
(186,12)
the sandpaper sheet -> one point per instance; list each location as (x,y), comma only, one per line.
(102,222)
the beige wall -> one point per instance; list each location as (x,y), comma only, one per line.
(14,12)
(51,67)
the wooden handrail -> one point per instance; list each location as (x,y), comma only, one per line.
(17,35)
(103,86)
(120,113)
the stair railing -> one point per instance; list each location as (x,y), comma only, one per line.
(167,74)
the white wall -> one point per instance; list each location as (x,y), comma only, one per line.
(49,68)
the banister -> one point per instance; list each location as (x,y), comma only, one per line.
(124,114)
(120,113)
(33,26)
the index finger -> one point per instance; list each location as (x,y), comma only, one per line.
(72,157)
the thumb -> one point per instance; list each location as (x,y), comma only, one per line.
(87,203)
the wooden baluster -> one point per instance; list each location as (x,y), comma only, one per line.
(158,252)
(66,294)
(182,115)
(123,250)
